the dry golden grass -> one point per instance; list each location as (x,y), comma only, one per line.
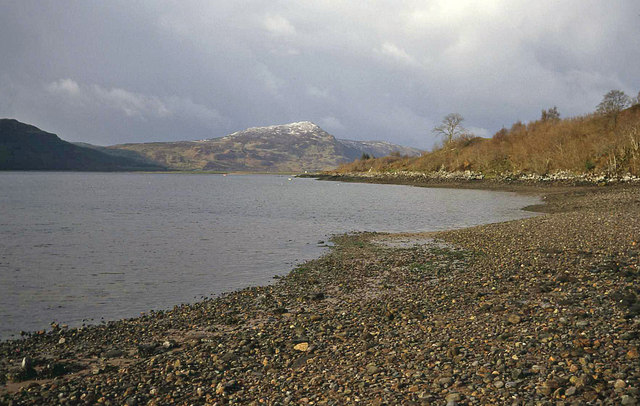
(607,144)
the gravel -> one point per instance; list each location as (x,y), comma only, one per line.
(543,310)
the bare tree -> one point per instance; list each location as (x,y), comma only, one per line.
(613,102)
(551,114)
(451,127)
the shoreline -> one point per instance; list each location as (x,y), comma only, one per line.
(557,195)
(539,309)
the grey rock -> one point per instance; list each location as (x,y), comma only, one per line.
(447,380)
(113,353)
(453,398)
(372,369)
(516,373)
(229,356)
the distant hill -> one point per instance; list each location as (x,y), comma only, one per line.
(380,148)
(25,147)
(294,147)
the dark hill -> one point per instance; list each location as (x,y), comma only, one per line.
(25,147)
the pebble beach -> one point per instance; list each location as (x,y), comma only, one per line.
(539,311)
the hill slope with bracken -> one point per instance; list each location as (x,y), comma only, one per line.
(294,147)
(607,144)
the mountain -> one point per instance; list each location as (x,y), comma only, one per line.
(25,147)
(294,147)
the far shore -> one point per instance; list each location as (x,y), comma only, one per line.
(540,310)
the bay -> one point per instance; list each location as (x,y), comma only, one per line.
(84,247)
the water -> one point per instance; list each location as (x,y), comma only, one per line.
(87,246)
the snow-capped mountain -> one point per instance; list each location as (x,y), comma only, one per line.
(294,147)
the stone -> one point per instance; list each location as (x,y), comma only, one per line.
(147,349)
(301,347)
(453,398)
(300,362)
(26,364)
(444,381)
(627,400)
(547,387)
(113,353)
(231,386)
(516,373)
(372,369)
(584,380)
(514,319)
(229,356)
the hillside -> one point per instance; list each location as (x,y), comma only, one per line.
(25,147)
(294,147)
(607,144)
(379,148)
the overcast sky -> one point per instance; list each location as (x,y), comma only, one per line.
(109,72)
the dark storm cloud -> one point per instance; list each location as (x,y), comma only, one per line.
(112,72)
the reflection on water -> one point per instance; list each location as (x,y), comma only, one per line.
(77,246)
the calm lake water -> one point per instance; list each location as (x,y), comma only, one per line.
(79,247)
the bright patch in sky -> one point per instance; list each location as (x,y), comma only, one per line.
(113,72)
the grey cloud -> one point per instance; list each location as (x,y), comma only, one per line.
(331,123)
(161,70)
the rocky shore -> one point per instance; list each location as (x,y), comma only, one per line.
(471,179)
(537,311)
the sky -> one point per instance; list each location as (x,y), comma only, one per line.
(109,72)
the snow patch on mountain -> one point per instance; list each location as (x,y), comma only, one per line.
(296,129)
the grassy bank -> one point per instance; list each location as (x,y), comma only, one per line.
(594,144)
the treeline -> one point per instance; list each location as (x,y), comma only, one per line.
(604,142)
